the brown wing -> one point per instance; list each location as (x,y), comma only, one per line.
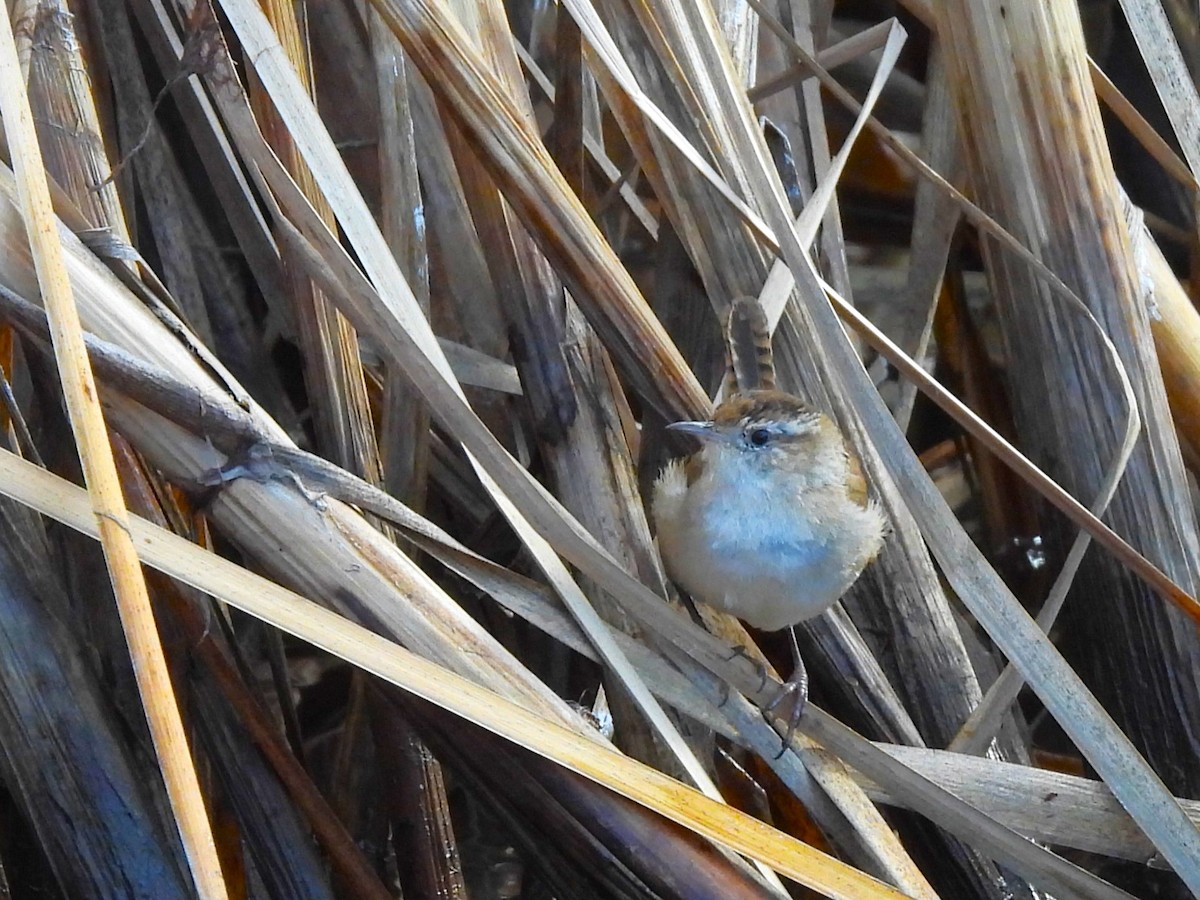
(856,484)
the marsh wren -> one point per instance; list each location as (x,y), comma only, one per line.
(769,520)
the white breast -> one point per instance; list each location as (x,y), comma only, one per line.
(770,557)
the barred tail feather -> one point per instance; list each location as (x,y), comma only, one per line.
(751,362)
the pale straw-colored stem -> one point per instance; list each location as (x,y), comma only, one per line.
(100,474)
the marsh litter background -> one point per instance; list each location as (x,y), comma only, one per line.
(388,304)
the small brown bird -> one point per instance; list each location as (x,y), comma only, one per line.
(769,520)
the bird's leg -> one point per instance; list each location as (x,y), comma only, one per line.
(797,687)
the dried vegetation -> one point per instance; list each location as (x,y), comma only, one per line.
(386,305)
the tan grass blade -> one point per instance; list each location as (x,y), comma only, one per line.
(936,218)
(104,489)
(831,57)
(778,286)
(1175,322)
(602,44)
(333,368)
(1164,154)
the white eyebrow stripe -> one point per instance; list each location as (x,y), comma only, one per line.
(803,425)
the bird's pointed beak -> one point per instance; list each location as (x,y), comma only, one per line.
(703,431)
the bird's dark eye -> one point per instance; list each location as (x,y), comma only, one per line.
(759,437)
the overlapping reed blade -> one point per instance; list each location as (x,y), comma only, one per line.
(1048,806)
(405,451)
(404,426)
(935,221)
(526,175)
(152,387)
(224,318)
(319,151)
(104,489)
(985,720)
(292,613)
(567,400)
(1056,186)
(334,377)
(62,736)
(574,544)
(1076,710)
(316,625)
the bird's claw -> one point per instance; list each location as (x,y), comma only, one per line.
(795,687)
(741,651)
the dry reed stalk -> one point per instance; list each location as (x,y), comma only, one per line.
(1044,805)
(404,423)
(573,402)
(522,169)
(76,754)
(1175,325)
(87,421)
(333,367)
(417,789)
(935,220)
(1056,186)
